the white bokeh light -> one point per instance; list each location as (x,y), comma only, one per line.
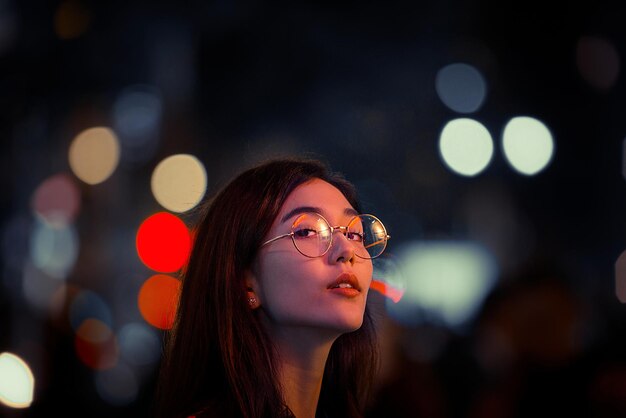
(447,279)
(527,145)
(17,383)
(461,87)
(465,146)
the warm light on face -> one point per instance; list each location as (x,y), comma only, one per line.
(179,182)
(94,155)
(17,383)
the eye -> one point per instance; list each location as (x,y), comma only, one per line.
(305,233)
(354,236)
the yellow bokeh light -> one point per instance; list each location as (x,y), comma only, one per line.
(179,182)
(94,155)
(17,383)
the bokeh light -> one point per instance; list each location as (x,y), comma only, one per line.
(387,278)
(465,146)
(163,242)
(446,279)
(57,200)
(17,383)
(117,386)
(71,19)
(620,277)
(527,144)
(96,344)
(40,289)
(94,155)
(598,61)
(139,344)
(54,249)
(88,305)
(137,115)
(179,182)
(461,87)
(158,300)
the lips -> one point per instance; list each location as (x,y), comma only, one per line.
(345,281)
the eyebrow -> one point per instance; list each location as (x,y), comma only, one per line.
(303,209)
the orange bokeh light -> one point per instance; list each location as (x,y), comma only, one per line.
(96,345)
(158,300)
(163,242)
(386,290)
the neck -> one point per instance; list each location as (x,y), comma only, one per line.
(302,356)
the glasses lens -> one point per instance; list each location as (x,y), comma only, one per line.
(373,236)
(311,234)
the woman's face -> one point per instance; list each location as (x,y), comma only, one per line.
(297,291)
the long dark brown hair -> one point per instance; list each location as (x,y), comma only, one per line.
(218,356)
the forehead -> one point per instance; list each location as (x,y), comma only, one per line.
(316,193)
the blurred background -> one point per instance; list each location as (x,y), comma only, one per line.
(488,137)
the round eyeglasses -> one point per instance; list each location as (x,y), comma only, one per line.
(312,235)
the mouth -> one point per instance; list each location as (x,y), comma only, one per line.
(345,281)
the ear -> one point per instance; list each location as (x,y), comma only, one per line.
(252,286)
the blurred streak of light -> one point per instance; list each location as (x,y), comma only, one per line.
(96,344)
(447,279)
(17,383)
(54,249)
(139,344)
(117,386)
(387,290)
(461,87)
(620,277)
(465,146)
(163,242)
(94,155)
(40,290)
(57,200)
(598,62)
(71,19)
(179,182)
(137,114)
(158,300)
(527,144)
(87,304)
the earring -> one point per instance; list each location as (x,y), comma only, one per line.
(252,301)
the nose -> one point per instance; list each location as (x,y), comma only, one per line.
(342,250)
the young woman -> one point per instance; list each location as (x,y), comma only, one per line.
(272,318)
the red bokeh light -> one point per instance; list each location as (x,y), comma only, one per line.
(163,242)
(96,345)
(158,300)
